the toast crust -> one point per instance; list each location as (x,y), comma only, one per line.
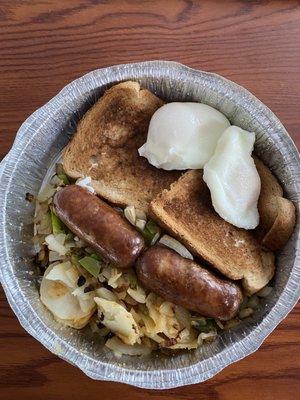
(277,214)
(105,147)
(186,211)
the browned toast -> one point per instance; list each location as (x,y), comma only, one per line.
(277,214)
(186,211)
(105,147)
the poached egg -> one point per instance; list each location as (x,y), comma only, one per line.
(183,135)
(233,180)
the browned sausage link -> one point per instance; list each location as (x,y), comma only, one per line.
(185,283)
(99,225)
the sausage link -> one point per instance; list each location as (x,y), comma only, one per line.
(185,283)
(99,225)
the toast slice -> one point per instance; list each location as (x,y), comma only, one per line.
(277,214)
(186,211)
(105,147)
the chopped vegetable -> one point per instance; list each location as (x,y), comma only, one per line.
(253,302)
(64,178)
(265,292)
(55,243)
(137,294)
(219,323)
(140,214)
(106,294)
(95,256)
(208,336)
(155,238)
(204,325)
(45,194)
(176,246)
(232,323)
(152,227)
(130,215)
(118,320)
(151,232)
(246,312)
(91,265)
(198,321)
(55,181)
(56,294)
(132,281)
(140,224)
(119,348)
(75,260)
(59,169)
(57,225)
(115,275)
(54,256)
(44,224)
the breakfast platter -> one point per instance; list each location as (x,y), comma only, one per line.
(163,236)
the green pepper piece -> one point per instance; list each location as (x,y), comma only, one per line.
(95,256)
(152,227)
(64,178)
(148,236)
(91,265)
(57,225)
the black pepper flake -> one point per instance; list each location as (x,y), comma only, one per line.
(88,289)
(109,335)
(29,197)
(81,281)
(101,317)
(100,325)
(105,285)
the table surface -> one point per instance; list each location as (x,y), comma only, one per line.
(46,44)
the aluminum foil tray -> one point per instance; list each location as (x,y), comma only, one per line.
(41,138)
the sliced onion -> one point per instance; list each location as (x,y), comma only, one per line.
(265,292)
(114,278)
(118,320)
(58,298)
(130,214)
(46,193)
(54,256)
(106,294)
(176,246)
(137,294)
(120,348)
(140,214)
(246,312)
(54,243)
(59,272)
